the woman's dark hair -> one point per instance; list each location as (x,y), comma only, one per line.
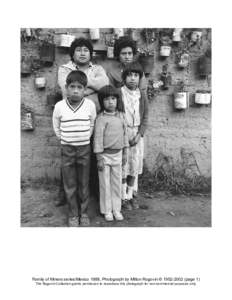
(106,91)
(124,42)
(80,43)
(134,67)
(77,76)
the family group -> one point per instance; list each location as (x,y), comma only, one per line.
(104,111)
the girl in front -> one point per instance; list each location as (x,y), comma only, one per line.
(110,146)
(136,114)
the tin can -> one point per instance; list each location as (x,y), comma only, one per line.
(94,33)
(181,100)
(66,40)
(165,51)
(202,98)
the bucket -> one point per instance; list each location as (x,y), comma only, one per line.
(66,40)
(94,33)
(202,98)
(110,52)
(181,100)
(40,82)
(165,51)
(184,60)
(147,62)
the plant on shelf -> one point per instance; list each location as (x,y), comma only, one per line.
(165,41)
(47,49)
(165,77)
(181,97)
(149,35)
(146,59)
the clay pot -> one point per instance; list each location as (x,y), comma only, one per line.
(54,97)
(26,66)
(204,66)
(147,62)
(202,98)
(47,53)
(66,40)
(94,33)
(165,51)
(181,100)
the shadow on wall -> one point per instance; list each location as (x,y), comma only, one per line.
(181,177)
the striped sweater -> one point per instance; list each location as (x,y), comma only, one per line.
(74,126)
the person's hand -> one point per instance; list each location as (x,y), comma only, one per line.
(100,165)
(135,140)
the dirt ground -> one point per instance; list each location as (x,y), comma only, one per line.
(158,209)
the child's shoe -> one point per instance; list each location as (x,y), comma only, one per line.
(134,203)
(109,217)
(73,222)
(126,205)
(118,216)
(84,220)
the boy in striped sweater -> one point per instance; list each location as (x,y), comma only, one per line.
(73,122)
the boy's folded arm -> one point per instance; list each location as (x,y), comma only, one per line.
(97,79)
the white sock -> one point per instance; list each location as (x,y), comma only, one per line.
(124,188)
(135,187)
(130,192)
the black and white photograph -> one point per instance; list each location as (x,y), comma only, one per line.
(116,127)
(115,153)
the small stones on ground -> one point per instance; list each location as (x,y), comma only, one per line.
(171,213)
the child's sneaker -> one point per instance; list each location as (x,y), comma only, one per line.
(84,220)
(73,222)
(126,205)
(118,216)
(109,217)
(134,203)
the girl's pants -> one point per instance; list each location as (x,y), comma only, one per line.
(75,163)
(110,180)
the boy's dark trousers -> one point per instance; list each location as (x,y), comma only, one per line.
(75,163)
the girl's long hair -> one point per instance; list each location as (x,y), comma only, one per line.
(109,90)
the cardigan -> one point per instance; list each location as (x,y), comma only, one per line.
(143,110)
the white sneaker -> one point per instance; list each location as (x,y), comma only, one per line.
(109,217)
(118,216)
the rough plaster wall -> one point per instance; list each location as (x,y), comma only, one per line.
(168,130)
